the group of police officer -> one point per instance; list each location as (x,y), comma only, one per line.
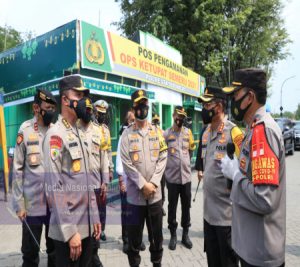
(61,173)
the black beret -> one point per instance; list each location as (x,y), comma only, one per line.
(211,93)
(44,95)
(72,82)
(253,78)
(138,95)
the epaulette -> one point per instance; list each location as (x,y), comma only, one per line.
(66,123)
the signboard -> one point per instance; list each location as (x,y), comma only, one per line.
(41,59)
(109,52)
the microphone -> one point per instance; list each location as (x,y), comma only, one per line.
(230,152)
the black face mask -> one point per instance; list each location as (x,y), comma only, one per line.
(236,111)
(80,107)
(179,122)
(47,116)
(102,118)
(207,115)
(141,112)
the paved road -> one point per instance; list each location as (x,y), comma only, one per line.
(111,254)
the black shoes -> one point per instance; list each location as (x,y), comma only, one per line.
(103,236)
(173,241)
(186,240)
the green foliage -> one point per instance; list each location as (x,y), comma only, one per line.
(9,38)
(297,113)
(209,34)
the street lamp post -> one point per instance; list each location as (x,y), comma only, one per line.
(281,107)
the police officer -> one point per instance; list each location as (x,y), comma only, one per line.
(28,195)
(144,157)
(69,188)
(101,107)
(180,143)
(259,177)
(217,210)
(99,163)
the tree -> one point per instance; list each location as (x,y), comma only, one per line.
(297,113)
(214,37)
(9,38)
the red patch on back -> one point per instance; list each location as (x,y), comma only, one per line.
(265,164)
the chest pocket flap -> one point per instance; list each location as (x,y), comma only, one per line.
(154,147)
(135,151)
(95,145)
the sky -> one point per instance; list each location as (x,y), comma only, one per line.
(41,16)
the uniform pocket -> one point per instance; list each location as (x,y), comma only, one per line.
(135,152)
(33,155)
(154,150)
(76,156)
(95,146)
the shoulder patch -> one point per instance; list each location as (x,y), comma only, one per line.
(265,164)
(55,142)
(237,137)
(20,138)
(55,146)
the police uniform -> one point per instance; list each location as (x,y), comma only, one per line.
(28,185)
(144,157)
(102,106)
(217,209)
(99,169)
(69,187)
(178,175)
(259,191)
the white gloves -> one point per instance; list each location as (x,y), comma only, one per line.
(230,167)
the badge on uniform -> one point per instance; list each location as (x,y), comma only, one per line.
(70,137)
(55,146)
(33,159)
(173,150)
(54,152)
(76,165)
(20,138)
(155,153)
(135,157)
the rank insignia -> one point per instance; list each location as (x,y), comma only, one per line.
(66,124)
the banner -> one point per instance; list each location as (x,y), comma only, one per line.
(109,52)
